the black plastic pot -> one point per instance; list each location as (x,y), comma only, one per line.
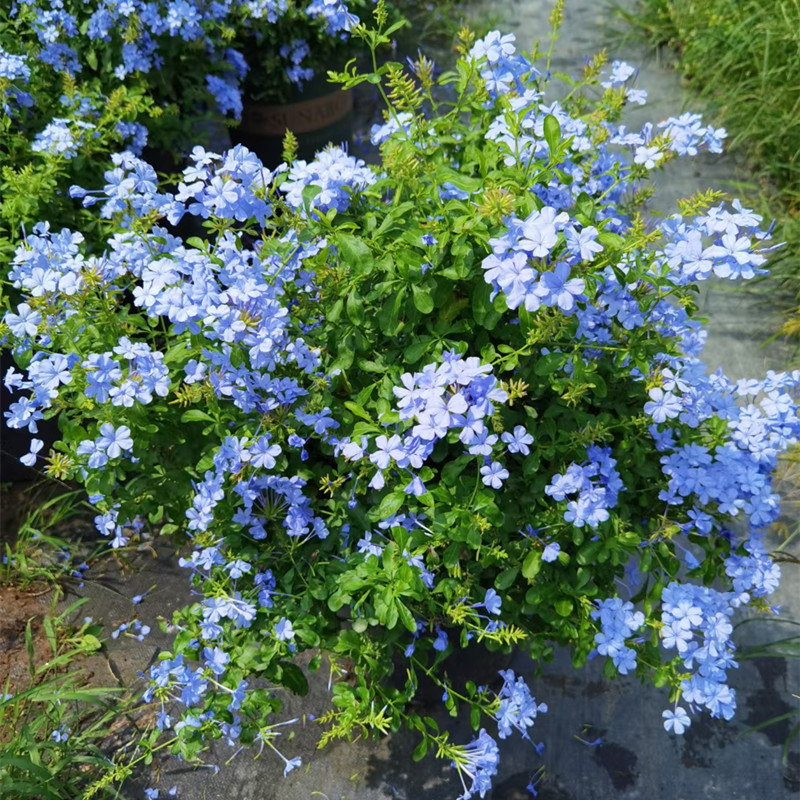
(317,116)
(15,442)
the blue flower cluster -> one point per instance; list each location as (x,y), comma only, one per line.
(597,484)
(535,263)
(720,242)
(456,395)
(478,761)
(337,175)
(381,133)
(187,686)
(151,28)
(131,187)
(294,53)
(14,73)
(61,137)
(618,622)
(697,623)
(518,708)
(732,477)
(230,187)
(210,294)
(134,629)
(501,68)
(509,269)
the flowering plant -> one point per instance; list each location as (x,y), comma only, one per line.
(288,43)
(163,47)
(80,79)
(55,129)
(455,398)
(192,53)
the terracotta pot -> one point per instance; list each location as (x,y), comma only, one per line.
(316,118)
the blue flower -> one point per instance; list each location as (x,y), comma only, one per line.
(284,631)
(558,289)
(60,735)
(216,660)
(518,441)
(492,601)
(676,721)
(114,440)
(25,322)
(291,764)
(440,643)
(337,175)
(494,474)
(478,760)
(30,458)
(662,405)
(551,551)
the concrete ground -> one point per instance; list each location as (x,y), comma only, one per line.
(636,759)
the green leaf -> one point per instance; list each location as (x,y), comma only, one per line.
(389,315)
(548,364)
(531,565)
(552,133)
(585,205)
(90,643)
(196,415)
(345,353)
(461,181)
(356,409)
(355,253)
(416,350)
(420,750)
(451,555)
(406,617)
(422,299)
(612,240)
(483,310)
(377,367)
(390,504)
(335,311)
(506,578)
(475,717)
(50,634)
(20,762)
(453,469)
(600,387)
(563,607)
(355,308)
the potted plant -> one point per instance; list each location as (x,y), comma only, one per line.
(289,48)
(454,399)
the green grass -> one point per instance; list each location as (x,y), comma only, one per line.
(52,730)
(741,58)
(62,736)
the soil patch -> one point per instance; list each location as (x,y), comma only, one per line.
(18,609)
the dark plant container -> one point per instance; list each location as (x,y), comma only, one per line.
(15,442)
(319,115)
